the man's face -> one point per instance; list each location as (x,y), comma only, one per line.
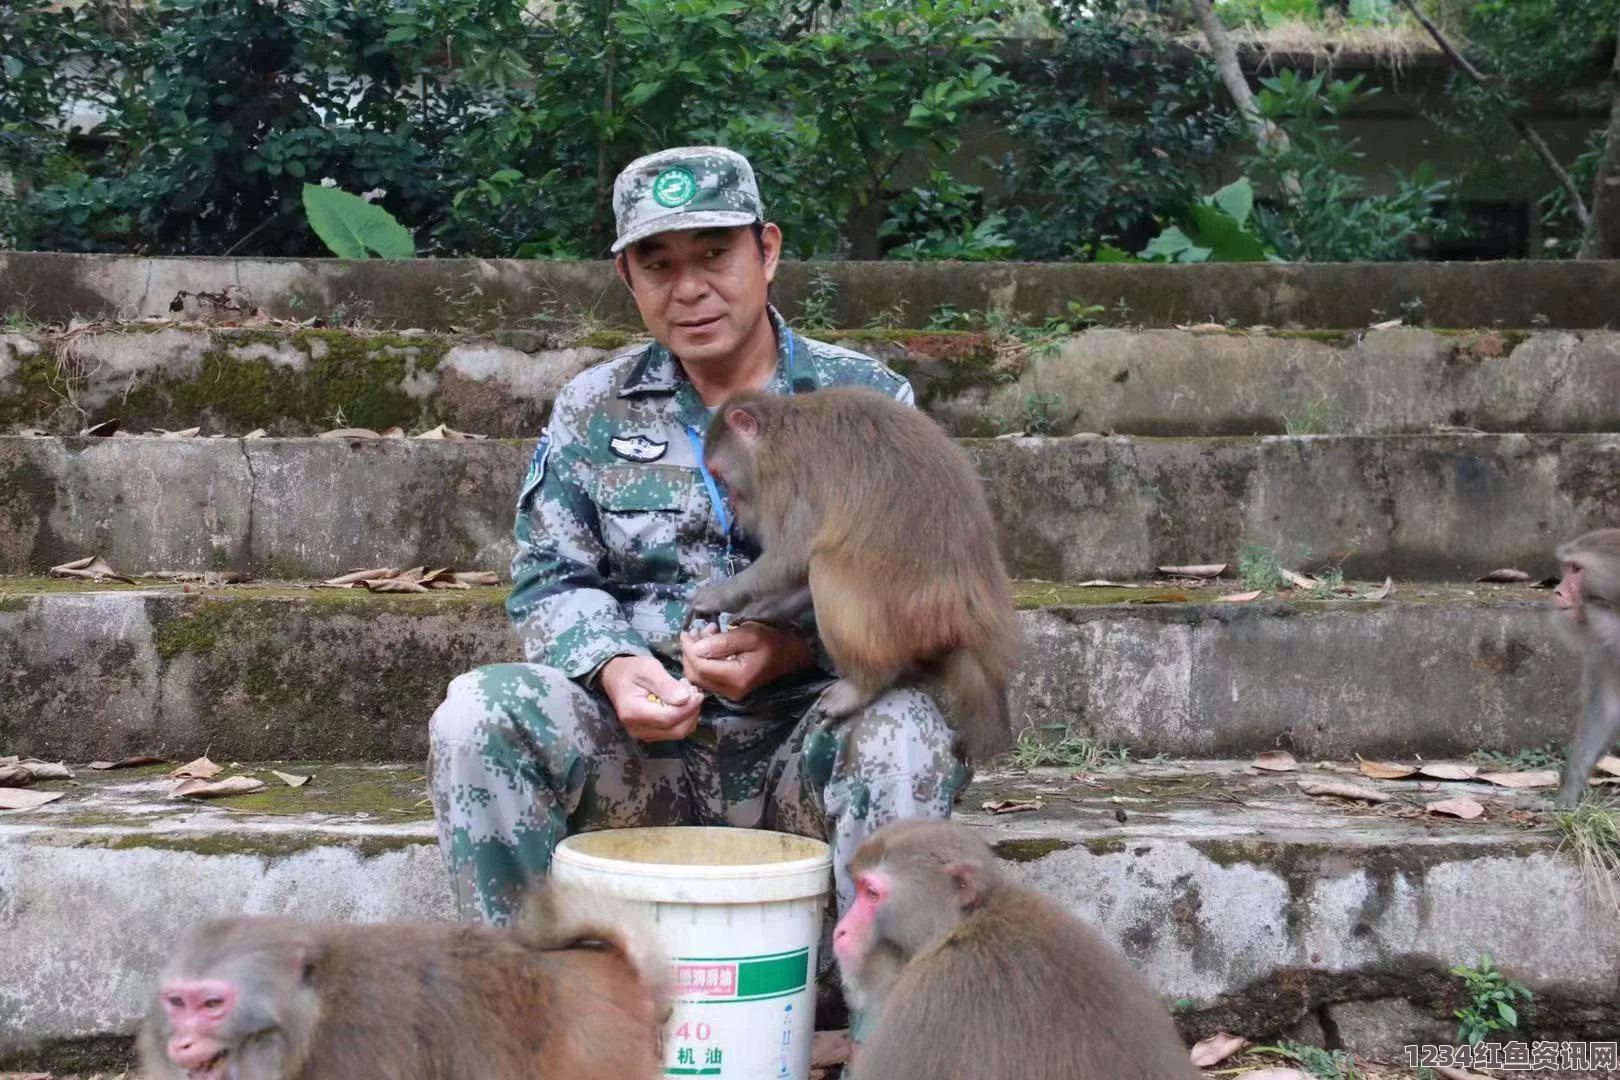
(701,292)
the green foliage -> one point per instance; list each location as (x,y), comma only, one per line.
(1320,1063)
(1213,228)
(941,219)
(1118,127)
(1259,569)
(817,312)
(351,227)
(1550,756)
(1055,744)
(1326,217)
(1491,1008)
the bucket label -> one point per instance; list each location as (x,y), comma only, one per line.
(742,978)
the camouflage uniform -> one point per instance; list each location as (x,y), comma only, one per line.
(615,528)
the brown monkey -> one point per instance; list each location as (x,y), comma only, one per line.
(865,510)
(1585,604)
(570,993)
(967,974)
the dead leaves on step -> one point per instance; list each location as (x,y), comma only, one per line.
(17,775)
(113,428)
(1216,1049)
(1423,775)
(91,568)
(418,579)
(197,781)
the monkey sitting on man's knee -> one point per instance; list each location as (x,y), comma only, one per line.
(573,991)
(968,975)
(868,512)
(1587,607)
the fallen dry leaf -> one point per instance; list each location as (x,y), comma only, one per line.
(1204,328)
(105,428)
(444,431)
(1216,1049)
(1505,576)
(1104,583)
(93,567)
(126,763)
(186,433)
(256,433)
(1300,581)
(48,770)
(1463,808)
(477,577)
(354,577)
(1343,789)
(395,432)
(1275,761)
(1384,770)
(1383,591)
(20,799)
(15,776)
(1010,806)
(204,789)
(1610,764)
(1448,770)
(1533,778)
(349,433)
(1238,597)
(393,585)
(1451,1072)
(201,769)
(1387,324)
(1204,570)
(290,779)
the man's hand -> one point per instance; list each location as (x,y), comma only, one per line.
(652,706)
(740,661)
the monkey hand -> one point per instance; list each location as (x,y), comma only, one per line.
(652,706)
(736,663)
(706,604)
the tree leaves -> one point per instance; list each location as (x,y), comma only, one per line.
(352,227)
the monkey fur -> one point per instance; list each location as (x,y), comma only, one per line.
(576,989)
(867,512)
(1587,608)
(969,975)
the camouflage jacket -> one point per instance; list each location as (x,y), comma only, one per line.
(615,522)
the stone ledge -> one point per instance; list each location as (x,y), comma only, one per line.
(335,675)
(443,293)
(1256,905)
(1140,382)
(1435,507)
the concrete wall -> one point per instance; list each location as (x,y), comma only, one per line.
(435,294)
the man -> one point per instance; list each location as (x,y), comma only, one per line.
(617,718)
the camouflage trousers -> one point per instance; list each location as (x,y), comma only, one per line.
(521,756)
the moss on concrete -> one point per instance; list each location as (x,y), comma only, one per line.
(194,630)
(605,339)
(1024,851)
(83,1054)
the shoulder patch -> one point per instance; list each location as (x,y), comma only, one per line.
(638,448)
(537,468)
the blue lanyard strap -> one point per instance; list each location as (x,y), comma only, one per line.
(721,513)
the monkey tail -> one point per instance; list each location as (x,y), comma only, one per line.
(558,916)
(978,702)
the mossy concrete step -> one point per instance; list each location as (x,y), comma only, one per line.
(1425,506)
(1252,907)
(272,672)
(1212,381)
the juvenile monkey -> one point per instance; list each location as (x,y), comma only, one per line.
(866,511)
(969,975)
(1586,608)
(571,992)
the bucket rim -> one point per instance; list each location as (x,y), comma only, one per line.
(817,864)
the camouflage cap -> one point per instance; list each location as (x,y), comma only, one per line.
(686,187)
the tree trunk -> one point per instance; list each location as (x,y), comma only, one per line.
(1602,239)
(1266,134)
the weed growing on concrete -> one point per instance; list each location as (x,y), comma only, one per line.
(948,317)
(1536,757)
(1259,569)
(816,313)
(1413,312)
(1055,744)
(1491,1008)
(1325,1064)
(1591,836)
(1319,418)
(1035,415)
(892,317)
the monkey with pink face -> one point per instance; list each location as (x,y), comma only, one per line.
(965,974)
(1587,607)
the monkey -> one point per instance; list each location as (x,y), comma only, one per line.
(965,973)
(1584,606)
(573,990)
(867,513)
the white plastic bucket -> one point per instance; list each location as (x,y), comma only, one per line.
(739,912)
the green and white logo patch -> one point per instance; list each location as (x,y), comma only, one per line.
(674,187)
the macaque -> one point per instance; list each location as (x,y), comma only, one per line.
(574,990)
(867,512)
(1585,605)
(967,975)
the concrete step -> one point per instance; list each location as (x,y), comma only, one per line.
(1436,507)
(1255,908)
(1215,381)
(265,672)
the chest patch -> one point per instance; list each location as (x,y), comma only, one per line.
(638,448)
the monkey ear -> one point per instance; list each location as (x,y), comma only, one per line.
(966,878)
(743,422)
